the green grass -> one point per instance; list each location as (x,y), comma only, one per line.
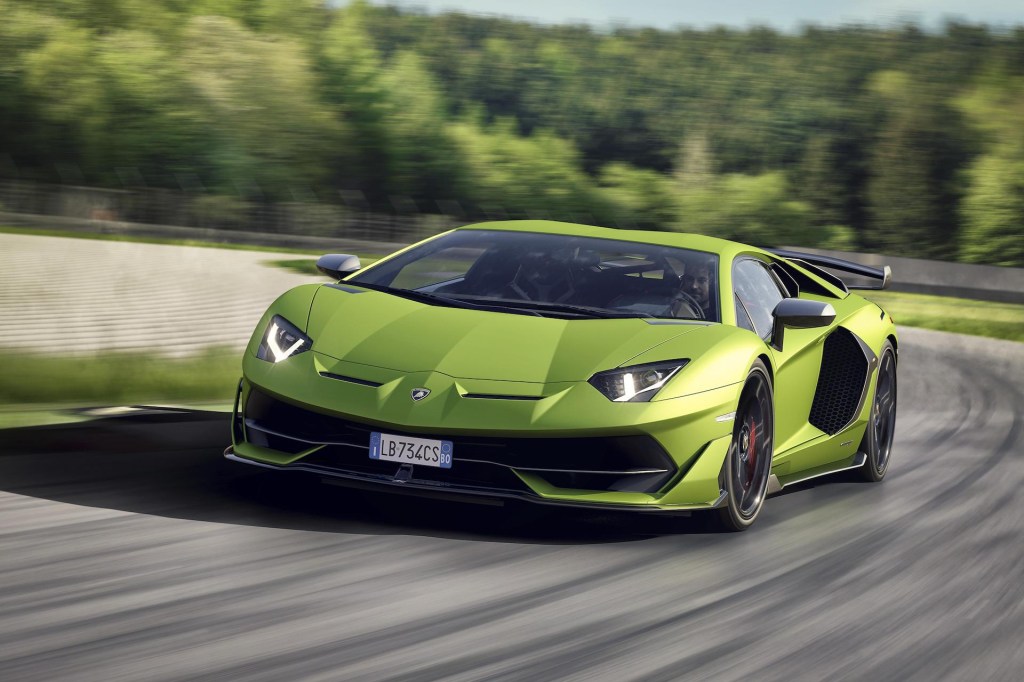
(947,314)
(20,417)
(118,378)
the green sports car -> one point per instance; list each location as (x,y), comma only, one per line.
(572,365)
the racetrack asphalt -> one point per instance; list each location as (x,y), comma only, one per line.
(81,296)
(130,550)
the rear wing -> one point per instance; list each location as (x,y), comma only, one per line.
(815,263)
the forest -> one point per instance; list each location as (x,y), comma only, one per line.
(884,138)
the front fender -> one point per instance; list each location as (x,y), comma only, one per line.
(720,355)
(293,305)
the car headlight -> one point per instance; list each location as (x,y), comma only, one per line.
(282,340)
(636,384)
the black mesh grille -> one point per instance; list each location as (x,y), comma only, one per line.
(840,383)
(474,474)
(285,427)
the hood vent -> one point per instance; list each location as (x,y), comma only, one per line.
(351,380)
(496,396)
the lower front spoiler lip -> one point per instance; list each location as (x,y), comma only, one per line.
(460,492)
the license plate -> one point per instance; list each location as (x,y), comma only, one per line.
(409,450)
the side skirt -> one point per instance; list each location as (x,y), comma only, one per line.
(775,485)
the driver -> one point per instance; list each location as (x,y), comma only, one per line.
(544,277)
(696,282)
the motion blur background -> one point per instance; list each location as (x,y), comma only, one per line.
(137,134)
(900,134)
(308,126)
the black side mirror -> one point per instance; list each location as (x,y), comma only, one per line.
(800,314)
(337,265)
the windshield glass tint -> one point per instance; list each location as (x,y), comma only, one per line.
(518,268)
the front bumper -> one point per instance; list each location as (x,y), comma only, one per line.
(460,493)
(559,444)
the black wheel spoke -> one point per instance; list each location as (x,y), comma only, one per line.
(752,447)
(883,417)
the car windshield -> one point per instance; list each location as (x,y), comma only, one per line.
(553,275)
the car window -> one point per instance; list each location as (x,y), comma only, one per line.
(742,319)
(441,266)
(493,267)
(759,293)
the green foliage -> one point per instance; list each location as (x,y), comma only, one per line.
(641,197)
(910,140)
(752,209)
(993,209)
(913,193)
(350,80)
(424,159)
(539,174)
(835,237)
(258,96)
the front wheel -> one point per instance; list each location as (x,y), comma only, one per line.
(749,461)
(877,442)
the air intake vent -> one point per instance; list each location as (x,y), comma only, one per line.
(841,383)
(351,380)
(496,396)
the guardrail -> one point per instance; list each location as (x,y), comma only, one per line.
(913,275)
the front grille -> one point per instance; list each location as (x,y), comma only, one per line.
(844,371)
(464,473)
(619,463)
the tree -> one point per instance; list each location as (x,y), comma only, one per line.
(993,208)
(260,98)
(913,191)
(424,160)
(155,120)
(639,197)
(747,208)
(993,211)
(350,75)
(64,80)
(538,175)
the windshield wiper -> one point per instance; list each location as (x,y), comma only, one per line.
(500,304)
(413,295)
(587,311)
(432,298)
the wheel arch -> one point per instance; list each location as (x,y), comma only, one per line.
(764,357)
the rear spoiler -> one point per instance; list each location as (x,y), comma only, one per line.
(815,263)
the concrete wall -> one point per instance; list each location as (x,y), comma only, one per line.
(984,282)
(288,241)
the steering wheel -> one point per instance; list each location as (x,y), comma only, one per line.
(546,276)
(683,297)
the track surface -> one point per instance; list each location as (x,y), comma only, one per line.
(129,551)
(74,296)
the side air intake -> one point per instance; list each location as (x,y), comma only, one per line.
(844,375)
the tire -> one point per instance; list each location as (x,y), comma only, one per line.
(878,436)
(749,461)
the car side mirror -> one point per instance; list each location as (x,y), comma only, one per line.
(800,313)
(337,265)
